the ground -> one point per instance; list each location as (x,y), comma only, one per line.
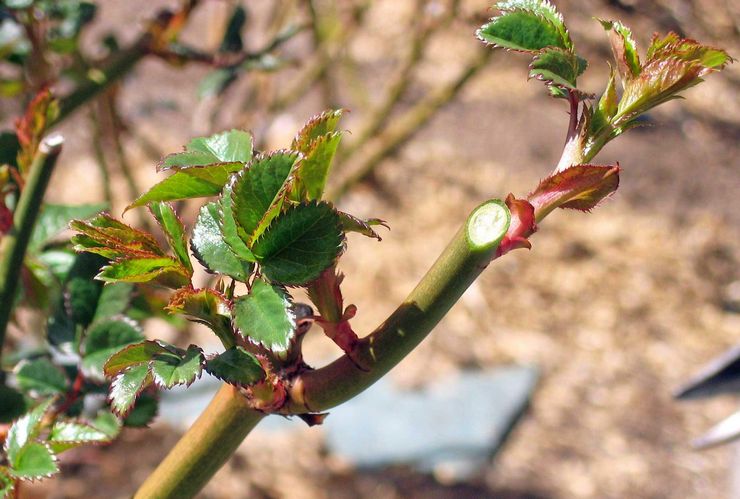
(616,308)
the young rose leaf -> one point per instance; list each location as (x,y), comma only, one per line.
(193,182)
(233,146)
(169,371)
(235,366)
(673,64)
(313,169)
(258,192)
(558,67)
(54,218)
(350,223)
(126,386)
(607,107)
(300,243)
(41,377)
(134,355)
(103,340)
(205,306)
(67,434)
(228,226)
(265,316)
(34,461)
(173,230)
(210,248)
(580,187)
(623,48)
(142,270)
(114,300)
(318,126)
(111,238)
(12,404)
(25,429)
(527,26)
(522,224)
(143,413)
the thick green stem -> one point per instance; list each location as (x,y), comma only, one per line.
(205,447)
(227,420)
(15,242)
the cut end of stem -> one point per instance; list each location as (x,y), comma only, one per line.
(488,224)
(51,143)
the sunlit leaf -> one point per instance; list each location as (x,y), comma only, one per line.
(174,231)
(210,248)
(623,48)
(54,218)
(265,316)
(556,66)
(526,25)
(235,366)
(126,386)
(258,192)
(232,146)
(580,187)
(141,270)
(300,243)
(318,126)
(228,226)
(351,223)
(67,434)
(313,169)
(169,371)
(25,429)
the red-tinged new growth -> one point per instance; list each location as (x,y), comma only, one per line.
(333,318)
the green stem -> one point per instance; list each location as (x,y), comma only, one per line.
(16,241)
(206,446)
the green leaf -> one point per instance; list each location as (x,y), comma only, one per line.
(25,429)
(67,434)
(265,316)
(300,243)
(126,386)
(12,404)
(169,371)
(34,461)
(607,106)
(210,248)
(143,413)
(233,146)
(173,230)
(526,26)
(258,192)
(105,339)
(228,225)
(133,355)
(192,182)
(318,126)
(41,377)
(623,48)
(140,269)
(205,306)
(114,300)
(235,366)
(557,67)
(313,169)
(54,218)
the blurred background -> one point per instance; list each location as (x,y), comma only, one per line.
(615,309)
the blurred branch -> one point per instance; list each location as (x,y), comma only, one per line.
(404,128)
